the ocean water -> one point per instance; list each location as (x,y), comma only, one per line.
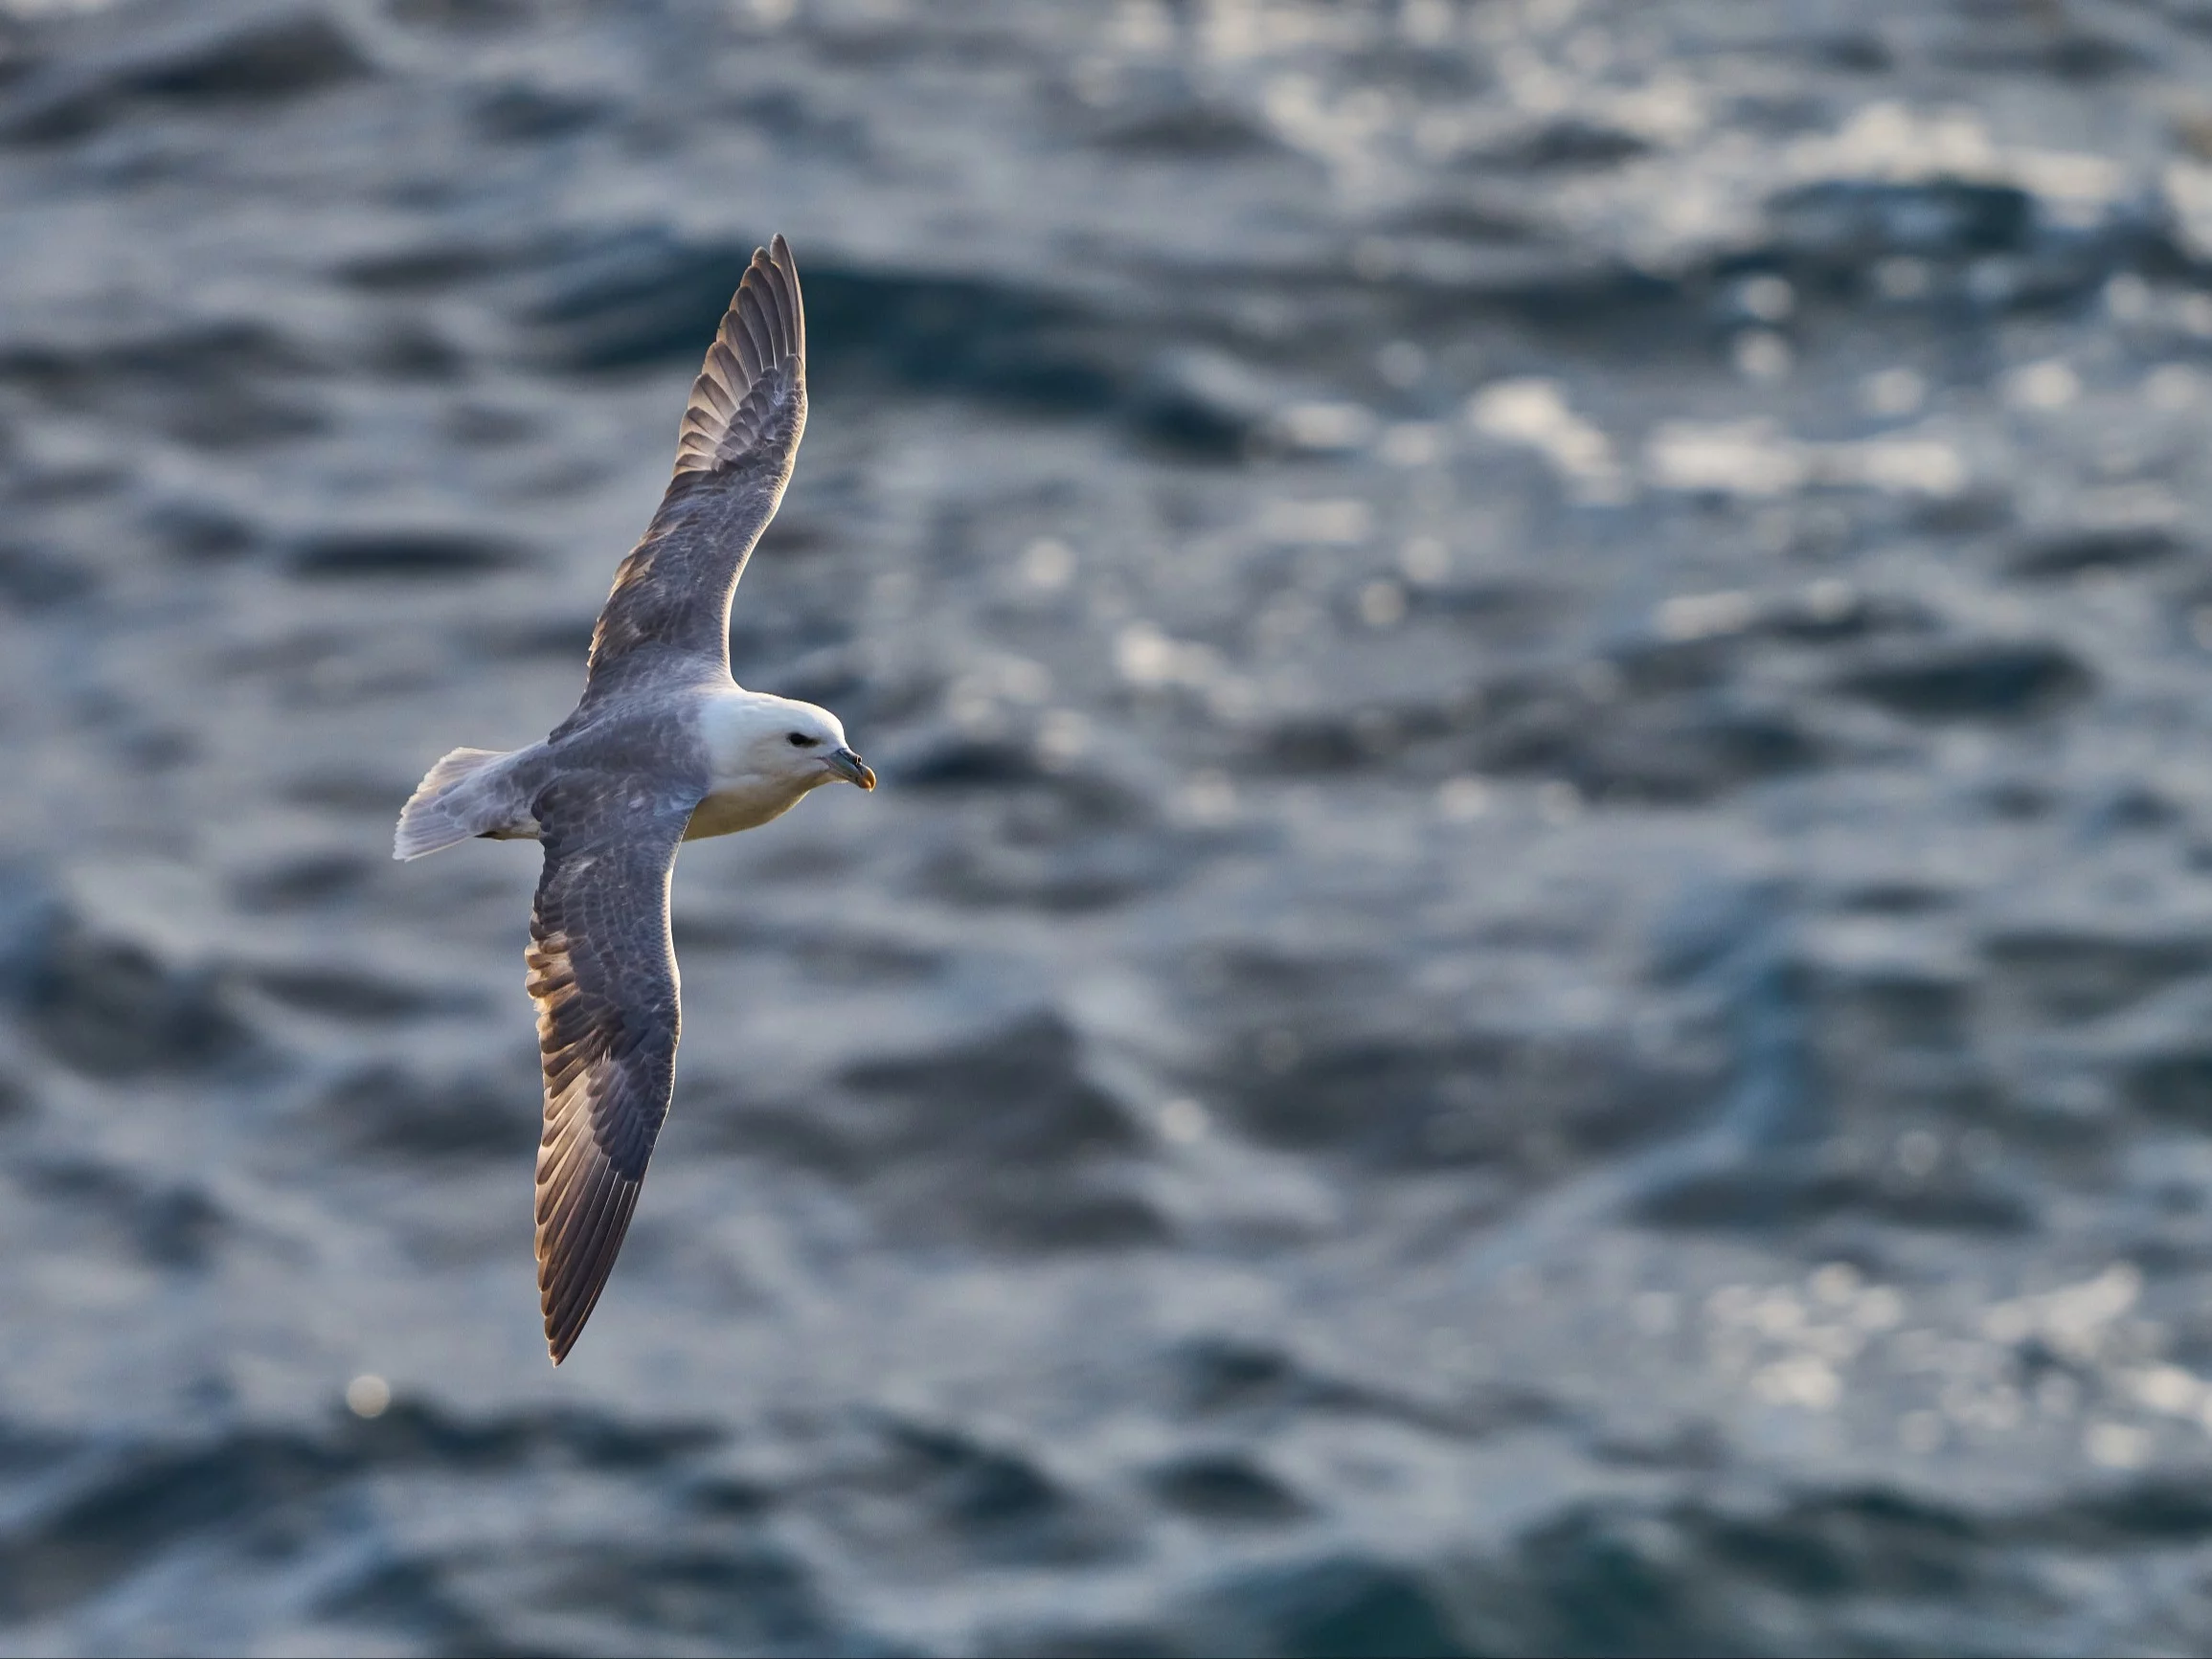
(1534,973)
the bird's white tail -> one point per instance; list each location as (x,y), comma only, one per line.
(451,804)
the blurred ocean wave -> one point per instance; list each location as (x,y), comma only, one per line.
(1532,974)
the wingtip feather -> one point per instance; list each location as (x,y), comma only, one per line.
(763,328)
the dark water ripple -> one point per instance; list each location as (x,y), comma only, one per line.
(1533,973)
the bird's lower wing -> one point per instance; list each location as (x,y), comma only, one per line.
(602,971)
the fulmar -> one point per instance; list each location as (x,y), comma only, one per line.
(664,748)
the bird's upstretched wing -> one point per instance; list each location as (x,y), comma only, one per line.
(741,432)
(602,971)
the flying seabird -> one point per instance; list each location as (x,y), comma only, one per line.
(664,748)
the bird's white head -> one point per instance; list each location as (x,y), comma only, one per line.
(777,741)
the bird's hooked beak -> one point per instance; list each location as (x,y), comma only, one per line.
(850,767)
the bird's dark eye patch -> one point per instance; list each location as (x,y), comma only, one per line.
(799,740)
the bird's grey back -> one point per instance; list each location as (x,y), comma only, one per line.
(648,729)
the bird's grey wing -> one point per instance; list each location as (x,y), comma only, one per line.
(740,435)
(602,969)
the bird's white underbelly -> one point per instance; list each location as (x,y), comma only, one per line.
(728,810)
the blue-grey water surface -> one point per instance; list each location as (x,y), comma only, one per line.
(1534,973)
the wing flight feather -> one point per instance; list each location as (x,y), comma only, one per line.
(602,971)
(734,456)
